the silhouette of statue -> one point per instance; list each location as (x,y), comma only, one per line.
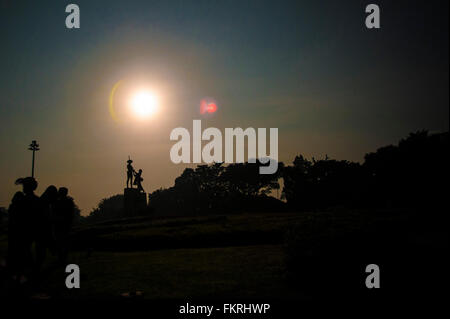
(130,171)
(134,199)
(138,180)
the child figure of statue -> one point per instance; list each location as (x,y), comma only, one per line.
(138,180)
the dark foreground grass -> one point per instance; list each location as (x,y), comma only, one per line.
(198,232)
(235,272)
(213,231)
(290,255)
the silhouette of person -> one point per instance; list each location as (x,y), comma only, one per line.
(44,234)
(64,215)
(138,180)
(16,243)
(130,171)
(28,213)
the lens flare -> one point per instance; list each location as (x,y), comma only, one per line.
(112,111)
(207,106)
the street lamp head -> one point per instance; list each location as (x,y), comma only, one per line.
(34,146)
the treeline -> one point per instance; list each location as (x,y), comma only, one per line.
(413,174)
(108,208)
(410,174)
(219,188)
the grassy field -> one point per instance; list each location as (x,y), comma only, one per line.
(201,257)
(252,271)
(200,232)
(239,256)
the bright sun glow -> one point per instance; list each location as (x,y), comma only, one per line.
(144,104)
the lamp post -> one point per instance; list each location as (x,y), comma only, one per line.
(33,147)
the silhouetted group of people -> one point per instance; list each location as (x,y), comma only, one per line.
(37,224)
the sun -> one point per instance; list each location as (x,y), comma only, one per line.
(144,104)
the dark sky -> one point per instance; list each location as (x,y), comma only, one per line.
(310,68)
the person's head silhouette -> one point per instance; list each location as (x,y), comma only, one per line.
(50,194)
(29,184)
(62,192)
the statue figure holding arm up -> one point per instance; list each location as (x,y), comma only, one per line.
(130,172)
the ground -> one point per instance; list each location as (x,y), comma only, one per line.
(239,256)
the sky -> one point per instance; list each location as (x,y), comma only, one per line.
(309,68)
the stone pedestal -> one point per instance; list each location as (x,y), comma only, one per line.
(134,201)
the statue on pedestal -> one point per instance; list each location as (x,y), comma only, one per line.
(135,198)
